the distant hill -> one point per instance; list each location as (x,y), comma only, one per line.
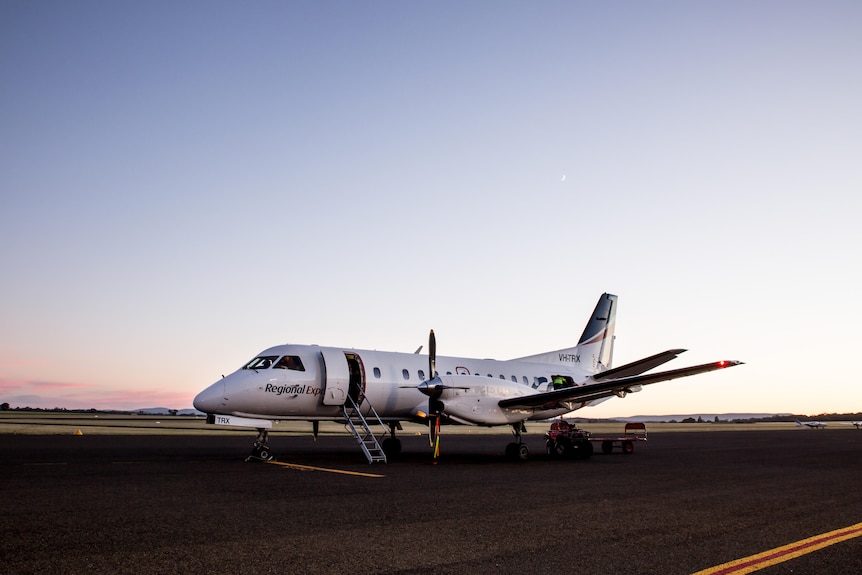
(704,416)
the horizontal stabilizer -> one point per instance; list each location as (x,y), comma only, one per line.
(639,366)
(619,386)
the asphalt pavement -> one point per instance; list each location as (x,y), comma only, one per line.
(681,503)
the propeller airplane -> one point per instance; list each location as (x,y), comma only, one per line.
(811,424)
(364,388)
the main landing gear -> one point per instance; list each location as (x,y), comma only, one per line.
(260,450)
(392,445)
(517,450)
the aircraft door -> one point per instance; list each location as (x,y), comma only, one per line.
(357,376)
(336,376)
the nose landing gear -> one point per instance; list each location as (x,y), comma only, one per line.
(260,450)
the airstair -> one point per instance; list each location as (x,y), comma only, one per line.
(360,426)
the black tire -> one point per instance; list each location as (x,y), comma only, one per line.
(512,451)
(549,447)
(523,452)
(391,447)
(628,447)
(563,447)
(607,446)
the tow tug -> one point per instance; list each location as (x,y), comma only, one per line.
(565,439)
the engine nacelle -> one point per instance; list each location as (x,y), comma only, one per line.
(474,399)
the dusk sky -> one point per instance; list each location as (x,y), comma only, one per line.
(183,184)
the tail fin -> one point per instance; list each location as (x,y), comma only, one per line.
(595,349)
(598,337)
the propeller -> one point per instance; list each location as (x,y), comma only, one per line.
(433,387)
(434,405)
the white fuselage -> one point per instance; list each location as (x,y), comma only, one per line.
(388,381)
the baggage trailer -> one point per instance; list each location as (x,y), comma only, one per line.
(632,433)
(565,439)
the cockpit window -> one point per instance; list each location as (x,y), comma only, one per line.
(262,362)
(293,362)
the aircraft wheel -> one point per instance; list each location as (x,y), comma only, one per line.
(607,446)
(628,447)
(523,452)
(512,451)
(263,454)
(391,446)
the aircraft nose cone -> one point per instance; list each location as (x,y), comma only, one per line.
(211,399)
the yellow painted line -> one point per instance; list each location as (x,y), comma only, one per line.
(328,470)
(784,553)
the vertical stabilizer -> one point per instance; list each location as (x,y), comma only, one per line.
(595,349)
(598,337)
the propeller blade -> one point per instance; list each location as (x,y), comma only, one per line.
(436,443)
(433,396)
(432,355)
(433,388)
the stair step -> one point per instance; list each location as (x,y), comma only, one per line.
(356,422)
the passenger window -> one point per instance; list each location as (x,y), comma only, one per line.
(421,374)
(377,372)
(515,379)
(502,377)
(293,362)
(405,374)
(526,381)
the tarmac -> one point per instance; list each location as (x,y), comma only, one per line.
(681,503)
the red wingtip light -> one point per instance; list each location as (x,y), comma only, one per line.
(722,363)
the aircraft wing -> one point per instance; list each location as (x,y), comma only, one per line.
(617,386)
(639,366)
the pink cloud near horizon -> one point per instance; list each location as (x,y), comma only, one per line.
(72,395)
(13,385)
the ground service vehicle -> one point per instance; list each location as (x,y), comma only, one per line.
(565,439)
